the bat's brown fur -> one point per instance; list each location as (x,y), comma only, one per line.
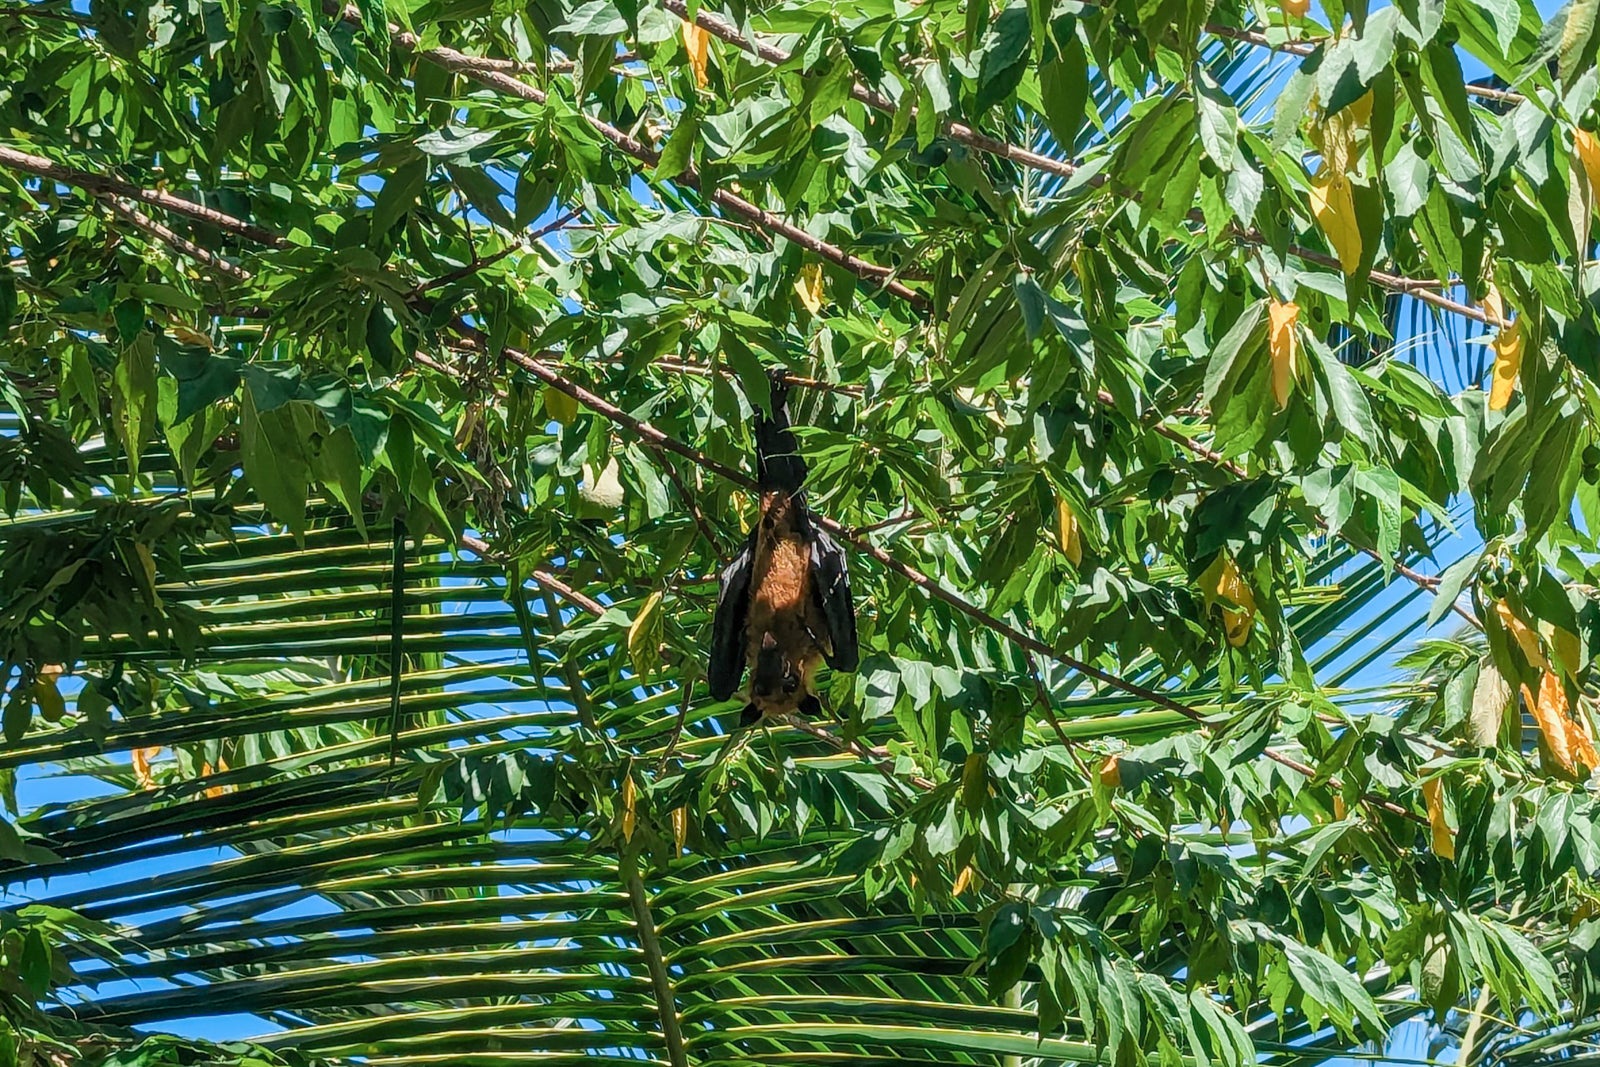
(781,603)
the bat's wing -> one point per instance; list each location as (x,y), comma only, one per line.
(830,584)
(728,624)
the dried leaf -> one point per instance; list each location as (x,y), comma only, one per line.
(809,287)
(697,43)
(1222,582)
(1284,345)
(1490,698)
(1566,739)
(1067,531)
(1444,842)
(141,765)
(1526,639)
(1334,208)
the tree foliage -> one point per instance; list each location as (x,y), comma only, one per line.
(379,382)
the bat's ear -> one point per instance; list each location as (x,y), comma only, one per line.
(749,716)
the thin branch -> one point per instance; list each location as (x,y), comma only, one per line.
(460,62)
(165,234)
(105,184)
(966,135)
(1027,642)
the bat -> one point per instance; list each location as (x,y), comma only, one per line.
(784,602)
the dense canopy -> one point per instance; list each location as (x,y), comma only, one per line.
(377,388)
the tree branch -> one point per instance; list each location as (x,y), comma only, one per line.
(104,184)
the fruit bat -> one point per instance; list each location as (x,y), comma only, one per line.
(784,602)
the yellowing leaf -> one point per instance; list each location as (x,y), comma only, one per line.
(141,766)
(1111,773)
(1507,351)
(1526,639)
(1334,208)
(1444,842)
(1223,583)
(809,287)
(680,826)
(1566,739)
(629,797)
(206,771)
(1490,698)
(644,635)
(963,880)
(1284,345)
(1586,147)
(697,43)
(1339,809)
(1067,531)
(1566,646)
(559,406)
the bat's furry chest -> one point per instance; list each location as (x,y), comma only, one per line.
(782,605)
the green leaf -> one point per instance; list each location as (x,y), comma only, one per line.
(133,396)
(1005,49)
(678,152)
(271,448)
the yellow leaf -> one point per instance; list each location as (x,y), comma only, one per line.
(1339,809)
(809,287)
(644,635)
(1507,365)
(559,406)
(1067,531)
(963,880)
(1444,842)
(1111,773)
(141,765)
(1334,208)
(628,816)
(1586,147)
(697,43)
(1284,345)
(680,826)
(1566,646)
(1296,9)
(1222,582)
(1526,639)
(1566,739)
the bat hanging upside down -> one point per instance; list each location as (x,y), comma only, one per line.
(784,602)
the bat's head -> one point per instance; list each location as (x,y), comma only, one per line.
(776,677)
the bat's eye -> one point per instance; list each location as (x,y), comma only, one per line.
(790,684)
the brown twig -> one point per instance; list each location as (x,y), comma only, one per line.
(105,184)
(182,244)
(462,63)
